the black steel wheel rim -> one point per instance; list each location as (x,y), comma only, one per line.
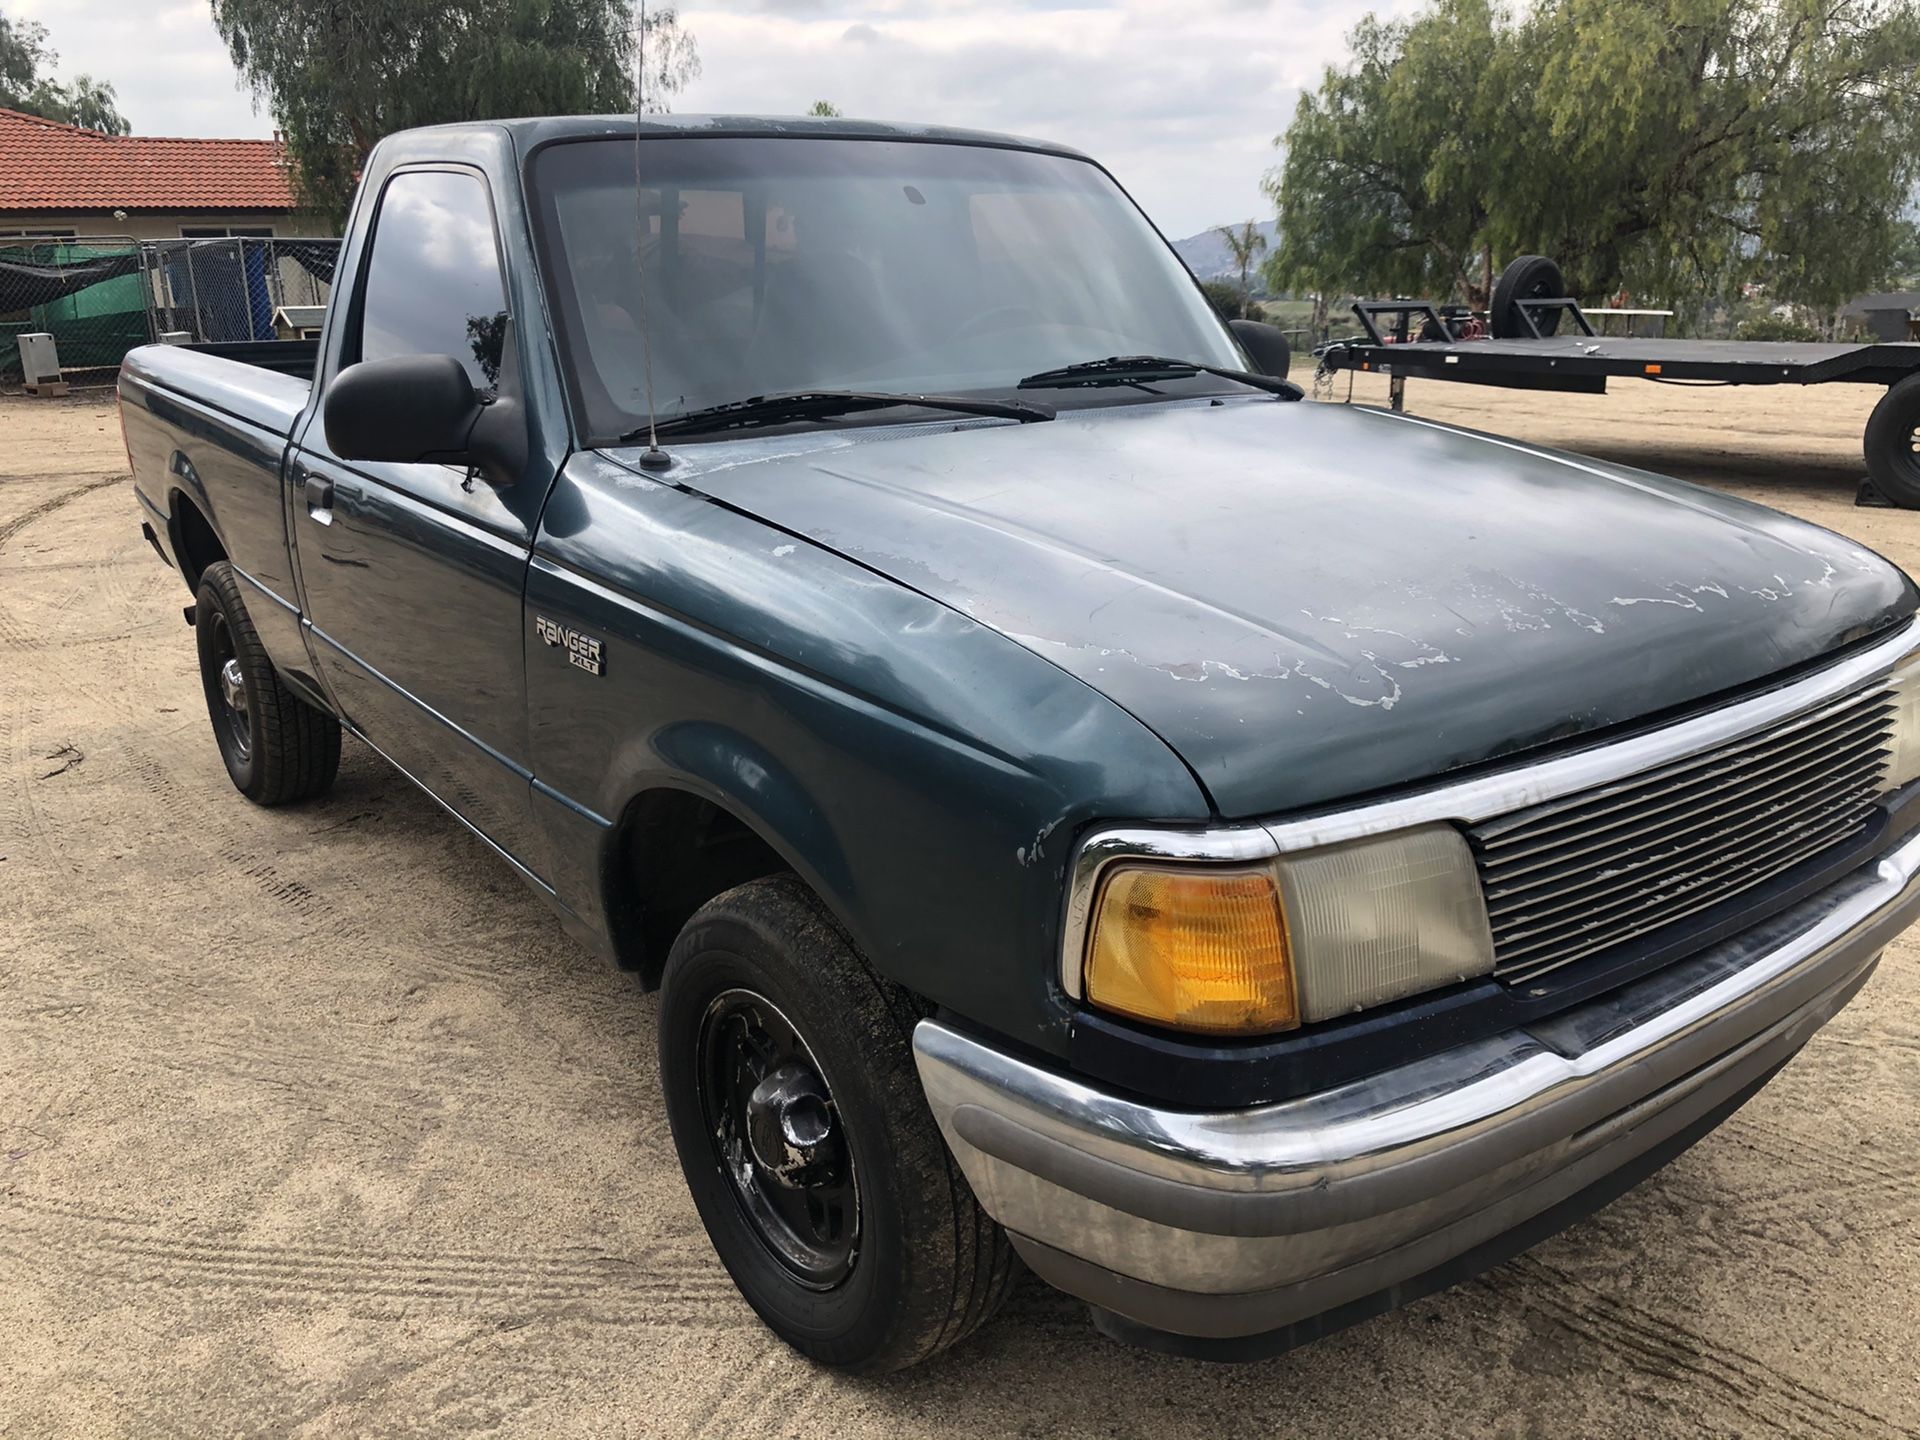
(777,1136)
(226,690)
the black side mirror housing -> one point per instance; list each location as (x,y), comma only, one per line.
(1266,346)
(423,408)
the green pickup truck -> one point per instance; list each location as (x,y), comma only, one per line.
(1254,862)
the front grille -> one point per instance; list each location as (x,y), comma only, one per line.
(1584,873)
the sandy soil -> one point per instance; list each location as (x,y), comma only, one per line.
(312,1121)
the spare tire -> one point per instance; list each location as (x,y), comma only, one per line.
(1531,277)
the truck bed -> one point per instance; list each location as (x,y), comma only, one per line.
(297,358)
(207,434)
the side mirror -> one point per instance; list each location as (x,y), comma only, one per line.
(415,408)
(1266,346)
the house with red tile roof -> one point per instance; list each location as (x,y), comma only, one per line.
(62,180)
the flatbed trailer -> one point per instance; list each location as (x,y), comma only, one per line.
(1421,342)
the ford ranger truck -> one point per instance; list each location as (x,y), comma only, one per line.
(1251,862)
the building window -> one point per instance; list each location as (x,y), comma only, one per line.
(226,232)
(40,232)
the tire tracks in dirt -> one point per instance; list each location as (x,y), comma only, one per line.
(48,629)
(14,633)
(776,1397)
(1874,1197)
(667,1280)
(193,812)
(233,840)
(35,513)
(1715,1375)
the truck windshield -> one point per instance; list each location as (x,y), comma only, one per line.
(768,265)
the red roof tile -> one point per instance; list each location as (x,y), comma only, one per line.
(49,166)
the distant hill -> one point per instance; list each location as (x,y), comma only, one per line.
(1207,254)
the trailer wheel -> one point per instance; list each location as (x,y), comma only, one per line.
(1531,277)
(1893,444)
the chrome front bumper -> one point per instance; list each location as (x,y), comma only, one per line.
(1248,1222)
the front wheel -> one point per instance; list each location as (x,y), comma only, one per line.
(787,1065)
(277,748)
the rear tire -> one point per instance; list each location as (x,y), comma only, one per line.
(911,1264)
(277,748)
(1530,277)
(1893,444)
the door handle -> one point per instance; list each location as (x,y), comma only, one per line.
(320,498)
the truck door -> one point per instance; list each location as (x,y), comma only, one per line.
(412,575)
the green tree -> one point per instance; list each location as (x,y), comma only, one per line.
(337,77)
(25,85)
(824,109)
(1371,196)
(1672,147)
(1903,263)
(1247,243)
(1769,139)
(23,50)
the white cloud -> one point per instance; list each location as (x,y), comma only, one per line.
(164,59)
(1181,99)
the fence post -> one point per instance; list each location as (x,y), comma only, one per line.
(147,295)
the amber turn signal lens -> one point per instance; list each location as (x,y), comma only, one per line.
(1196,949)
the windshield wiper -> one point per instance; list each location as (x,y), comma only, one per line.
(823,405)
(1131,369)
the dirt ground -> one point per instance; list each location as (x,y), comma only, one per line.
(312,1121)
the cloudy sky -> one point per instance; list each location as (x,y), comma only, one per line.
(1180,98)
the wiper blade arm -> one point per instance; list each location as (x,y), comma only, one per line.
(823,405)
(1129,369)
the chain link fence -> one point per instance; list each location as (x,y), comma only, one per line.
(84,292)
(100,296)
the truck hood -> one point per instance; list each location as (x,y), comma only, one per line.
(1310,602)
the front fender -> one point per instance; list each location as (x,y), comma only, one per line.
(926,775)
(743,777)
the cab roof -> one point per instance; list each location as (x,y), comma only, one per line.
(535,131)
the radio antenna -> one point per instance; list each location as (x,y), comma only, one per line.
(653,458)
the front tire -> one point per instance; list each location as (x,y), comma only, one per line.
(807,1144)
(277,748)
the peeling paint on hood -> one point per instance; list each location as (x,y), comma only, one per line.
(1308,602)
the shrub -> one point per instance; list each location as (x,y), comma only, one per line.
(1772,327)
(1224,296)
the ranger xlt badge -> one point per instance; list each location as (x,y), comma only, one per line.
(582,650)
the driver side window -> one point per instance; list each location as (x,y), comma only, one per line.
(433,277)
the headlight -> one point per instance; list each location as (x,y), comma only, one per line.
(1374,920)
(1251,950)
(1904,765)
